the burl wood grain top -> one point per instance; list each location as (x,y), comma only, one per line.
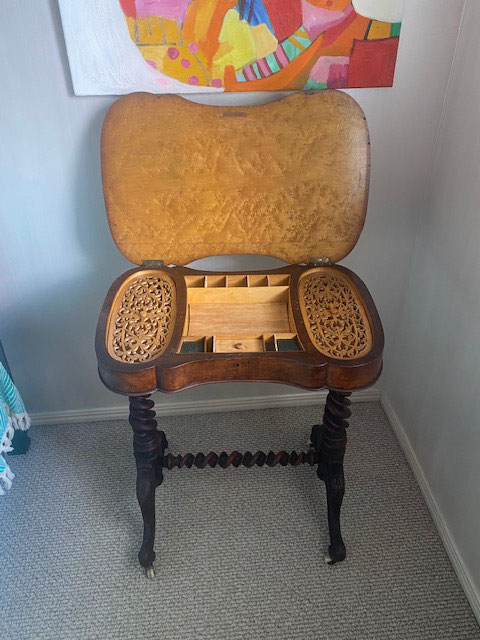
(184,181)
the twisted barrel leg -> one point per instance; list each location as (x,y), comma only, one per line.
(148,446)
(329,440)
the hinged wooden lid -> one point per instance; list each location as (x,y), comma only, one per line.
(184,181)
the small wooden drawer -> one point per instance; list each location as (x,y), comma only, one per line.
(238,344)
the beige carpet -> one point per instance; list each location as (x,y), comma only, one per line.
(240,552)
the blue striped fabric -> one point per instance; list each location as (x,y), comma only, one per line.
(12,416)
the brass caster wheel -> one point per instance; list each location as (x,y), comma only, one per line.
(150,572)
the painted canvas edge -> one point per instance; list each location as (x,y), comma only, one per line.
(85,49)
(115,79)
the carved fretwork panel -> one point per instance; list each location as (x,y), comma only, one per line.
(334,315)
(142,318)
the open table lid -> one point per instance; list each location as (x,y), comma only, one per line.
(184,181)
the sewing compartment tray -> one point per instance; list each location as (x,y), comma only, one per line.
(309,325)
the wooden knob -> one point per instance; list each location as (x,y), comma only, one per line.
(239,345)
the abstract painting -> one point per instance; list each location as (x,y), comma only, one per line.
(185,46)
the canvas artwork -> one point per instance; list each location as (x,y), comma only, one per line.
(185,46)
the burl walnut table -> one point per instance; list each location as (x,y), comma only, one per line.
(184,181)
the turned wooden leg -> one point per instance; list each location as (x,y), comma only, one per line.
(329,440)
(148,446)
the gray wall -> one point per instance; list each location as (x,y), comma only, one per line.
(434,381)
(57,256)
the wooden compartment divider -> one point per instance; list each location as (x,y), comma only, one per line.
(239,313)
(195,281)
(215,281)
(257,280)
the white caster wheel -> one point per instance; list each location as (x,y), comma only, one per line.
(150,572)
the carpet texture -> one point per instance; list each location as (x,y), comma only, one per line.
(239,552)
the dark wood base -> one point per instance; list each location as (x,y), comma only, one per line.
(148,446)
(328,449)
(329,441)
(237,459)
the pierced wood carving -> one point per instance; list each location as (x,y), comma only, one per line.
(334,315)
(142,322)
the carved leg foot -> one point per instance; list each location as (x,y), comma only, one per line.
(330,440)
(148,449)
(335,484)
(146,484)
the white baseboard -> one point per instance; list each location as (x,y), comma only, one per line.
(451,548)
(184,408)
